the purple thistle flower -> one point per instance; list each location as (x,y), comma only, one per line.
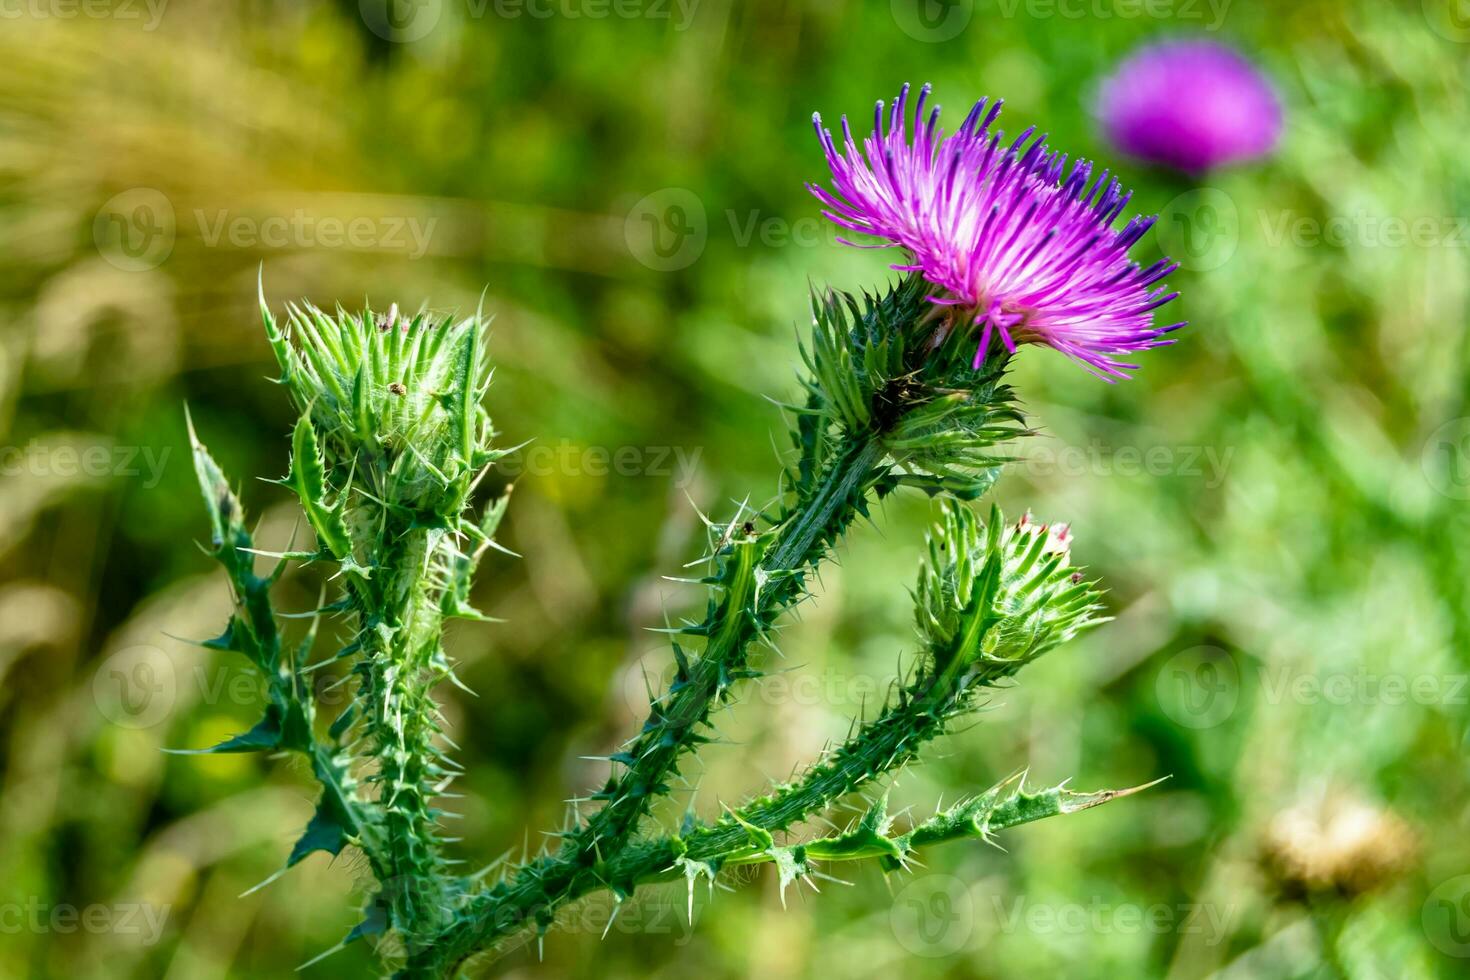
(1014,247)
(1190,105)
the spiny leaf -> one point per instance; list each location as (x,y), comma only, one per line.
(466,397)
(265,736)
(325,832)
(226,519)
(308,479)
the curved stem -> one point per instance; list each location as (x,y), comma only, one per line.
(761,580)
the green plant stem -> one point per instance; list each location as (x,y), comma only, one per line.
(399,629)
(672,858)
(289,721)
(747,612)
(880,746)
(757,591)
(1002,806)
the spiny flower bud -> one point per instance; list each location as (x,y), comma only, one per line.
(993,596)
(394,399)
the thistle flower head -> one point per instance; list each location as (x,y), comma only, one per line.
(1014,242)
(1189,105)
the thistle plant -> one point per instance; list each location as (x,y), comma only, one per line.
(900,388)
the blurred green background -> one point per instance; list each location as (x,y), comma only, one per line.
(1277,504)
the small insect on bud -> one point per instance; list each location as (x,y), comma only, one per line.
(1076,577)
(385,320)
(397,388)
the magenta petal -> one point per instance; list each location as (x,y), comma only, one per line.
(1002,227)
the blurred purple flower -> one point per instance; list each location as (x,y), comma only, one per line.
(1015,249)
(1190,105)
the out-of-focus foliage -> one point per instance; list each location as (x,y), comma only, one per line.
(1277,504)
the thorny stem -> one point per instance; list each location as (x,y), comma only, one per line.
(398,405)
(400,626)
(578,867)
